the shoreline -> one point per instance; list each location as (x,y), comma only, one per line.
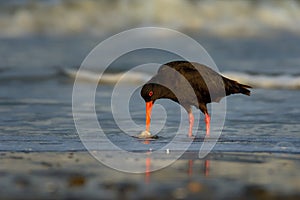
(77,175)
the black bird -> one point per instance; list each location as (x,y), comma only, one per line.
(189,84)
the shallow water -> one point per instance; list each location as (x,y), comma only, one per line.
(36,97)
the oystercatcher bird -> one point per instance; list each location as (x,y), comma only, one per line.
(189,84)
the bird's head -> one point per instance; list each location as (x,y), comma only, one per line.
(150,92)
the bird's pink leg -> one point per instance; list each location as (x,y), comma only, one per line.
(191,120)
(207,122)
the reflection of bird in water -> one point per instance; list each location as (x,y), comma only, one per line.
(205,167)
(189,84)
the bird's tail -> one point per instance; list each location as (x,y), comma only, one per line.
(233,87)
(244,89)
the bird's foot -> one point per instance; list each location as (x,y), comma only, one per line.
(191,136)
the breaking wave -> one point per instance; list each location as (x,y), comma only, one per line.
(256,81)
(266,81)
(107,78)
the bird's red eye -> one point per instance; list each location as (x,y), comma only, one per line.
(150,93)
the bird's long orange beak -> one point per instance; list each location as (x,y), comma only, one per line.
(148,114)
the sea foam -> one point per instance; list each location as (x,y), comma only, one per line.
(266,81)
(227,18)
(256,81)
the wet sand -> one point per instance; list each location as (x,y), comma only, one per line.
(77,175)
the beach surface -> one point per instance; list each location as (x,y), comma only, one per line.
(77,175)
(43,44)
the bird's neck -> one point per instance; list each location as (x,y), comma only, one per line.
(169,95)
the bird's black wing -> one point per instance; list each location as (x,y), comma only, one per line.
(174,80)
(207,84)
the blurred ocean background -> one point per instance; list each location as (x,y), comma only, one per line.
(43,43)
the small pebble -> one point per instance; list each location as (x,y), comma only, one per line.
(195,187)
(180,193)
(167,151)
(51,187)
(22,182)
(77,181)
